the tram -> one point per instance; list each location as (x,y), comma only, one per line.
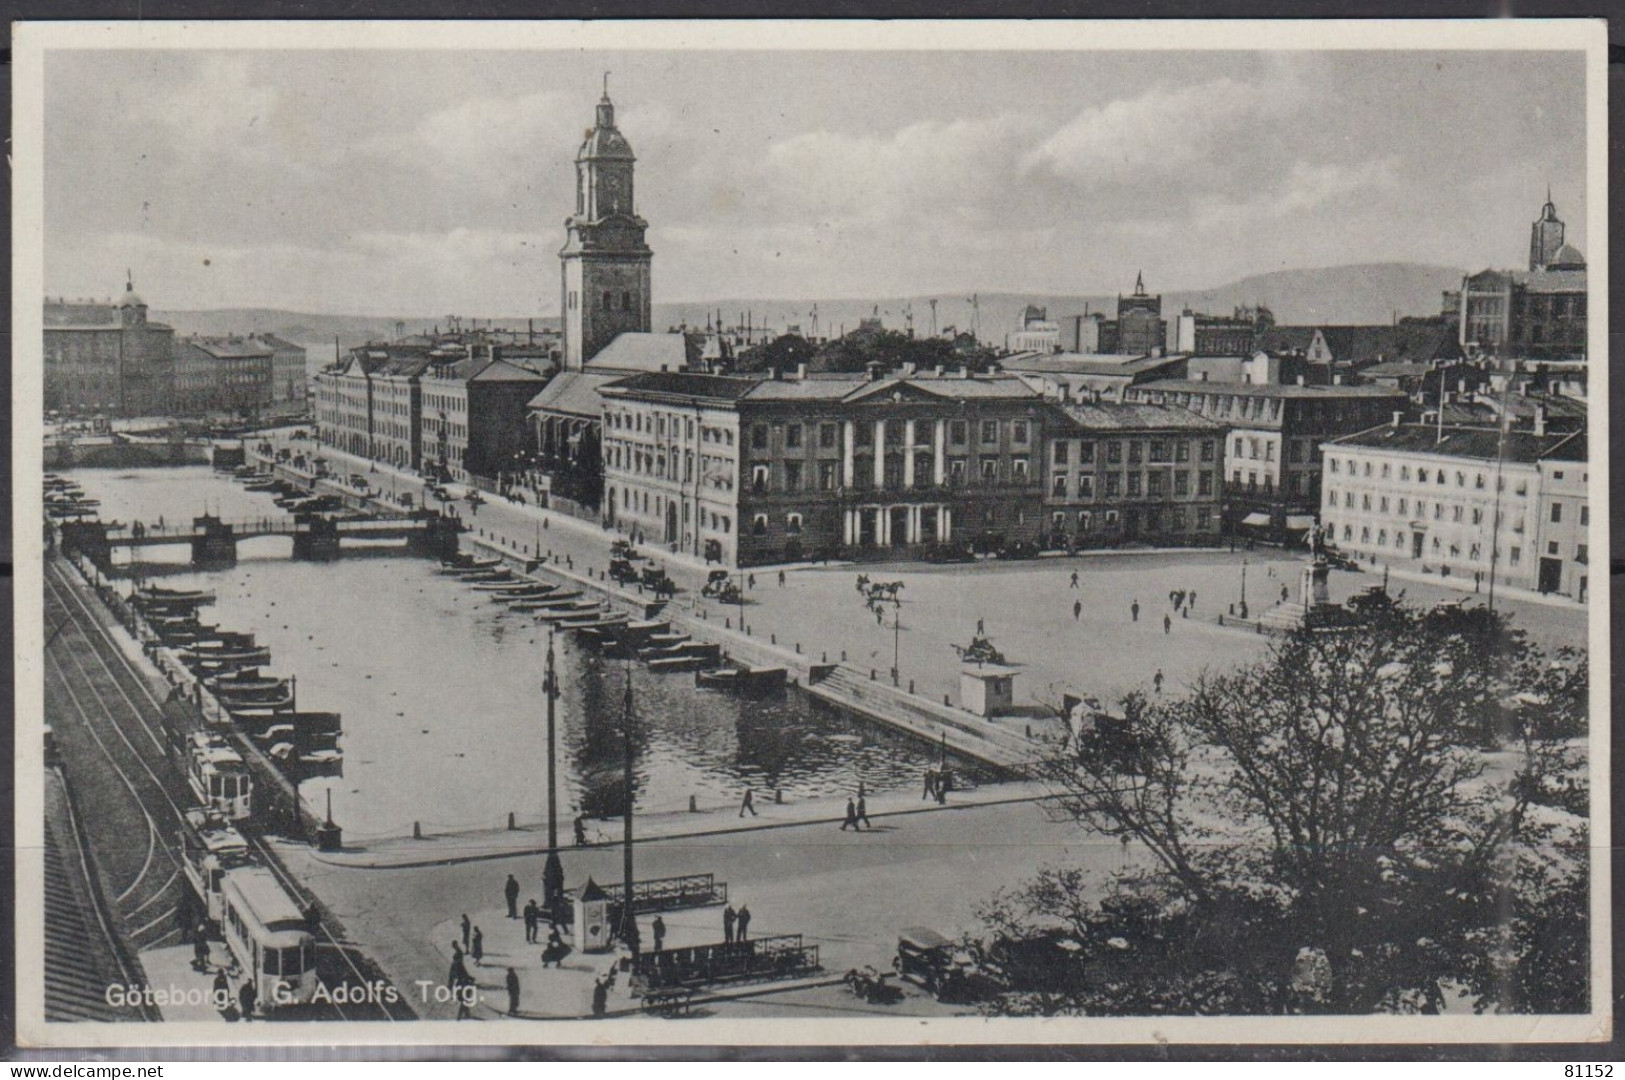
(268,936)
(218,776)
(211,848)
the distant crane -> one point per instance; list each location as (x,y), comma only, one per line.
(933,316)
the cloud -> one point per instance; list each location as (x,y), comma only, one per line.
(1166,130)
(1305,187)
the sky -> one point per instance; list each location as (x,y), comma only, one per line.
(428,183)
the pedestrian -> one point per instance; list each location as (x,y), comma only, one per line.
(221,995)
(1191,598)
(930,784)
(748,803)
(1077,610)
(511,892)
(200,953)
(246,997)
(851,816)
(513,992)
(1074,584)
(476,948)
(879,617)
(1285,592)
(979,630)
(781,579)
(750,581)
(744,922)
(728,918)
(659,927)
(863,811)
(581,830)
(1172,595)
(1167,622)
(600,997)
(468,928)
(1156,680)
(458,971)
(533,921)
(1134,610)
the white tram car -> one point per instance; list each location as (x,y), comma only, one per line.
(267,935)
(218,776)
(210,848)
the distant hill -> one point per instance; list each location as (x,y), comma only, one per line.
(1371,293)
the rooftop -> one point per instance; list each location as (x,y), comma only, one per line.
(1265,390)
(682,384)
(1475,443)
(1134,416)
(575,393)
(636,351)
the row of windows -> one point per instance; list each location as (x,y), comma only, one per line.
(893,432)
(1176,520)
(1155,484)
(1155,450)
(1252,482)
(1423,474)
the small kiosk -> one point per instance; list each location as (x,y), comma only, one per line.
(593,931)
(987,689)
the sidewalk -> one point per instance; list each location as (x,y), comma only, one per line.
(446,849)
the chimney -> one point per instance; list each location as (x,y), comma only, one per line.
(1540,420)
(1397,417)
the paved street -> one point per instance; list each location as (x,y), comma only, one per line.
(848,893)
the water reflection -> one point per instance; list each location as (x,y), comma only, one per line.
(441,690)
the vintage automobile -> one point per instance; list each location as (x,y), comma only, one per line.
(930,960)
(620,570)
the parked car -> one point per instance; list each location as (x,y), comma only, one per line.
(928,959)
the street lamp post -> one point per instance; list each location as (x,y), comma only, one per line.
(629,922)
(553,869)
(896,638)
(1243,588)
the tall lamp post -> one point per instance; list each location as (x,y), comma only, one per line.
(1243,588)
(553,869)
(629,921)
(896,638)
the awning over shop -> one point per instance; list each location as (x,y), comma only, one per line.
(1257,519)
(1300,521)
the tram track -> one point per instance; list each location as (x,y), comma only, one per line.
(122,676)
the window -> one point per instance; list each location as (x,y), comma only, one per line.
(990,469)
(1382,504)
(1018,432)
(1238,448)
(792,524)
(759,478)
(1438,511)
(1513,555)
(1114,483)
(1207,449)
(1404,472)
(1133,484)
(792,436)
(1086,487)
(758,436)
(826,475)
(1111,518)
(1182,451)
(626,301)
(1114,453)
(1204,483)
(990,431)
(758,525)
(1557,513)
(1365,534)
(863,434)
(1134,453)
(1461,479)
(1060,452)
(1382,537)
(1235,477)
(1086,521)
(1404,507)
(1182,483)
(792,476)
(1086,452)
(1058,485)
(826,436)
(1551,547)
(1368,469)
(609,300)
(1159,450)
(1585,515)
(1421,476)
(1204,517)
(1019,469)
(957,432)
(956,470)
(1478,516)
(1581,554)
(1252,448)
(1153,484)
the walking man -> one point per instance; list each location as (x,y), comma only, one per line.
(728,918)
(744,922)
(1156,680)
(468,928)
(1074,584)
(659,927)
(511,891)
(1167,622)
(533,921)
(930,784)
(1134,610)
(851,816)
(513,992)
(863,811)
(1077,609)
(476,948)
(750,581)
(748,803)
(781,579)
(246,997)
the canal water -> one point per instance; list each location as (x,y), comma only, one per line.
(441,688)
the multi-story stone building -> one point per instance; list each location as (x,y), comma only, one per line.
(1459,501)
(1536,314)
(1123,472)
(222,375)
(289,378)
(396,436)
(1139,328)
(473,418)
(671,460)
(1272,463)
(344,401)
(1563,533)
(107,358)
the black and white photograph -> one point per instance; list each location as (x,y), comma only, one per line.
(784,533)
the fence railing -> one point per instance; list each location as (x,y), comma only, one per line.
(781,956)
(667,894)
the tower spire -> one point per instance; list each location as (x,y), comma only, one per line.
(1139,283)
(606,86)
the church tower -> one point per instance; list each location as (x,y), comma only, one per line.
(1545,237)
(605,261)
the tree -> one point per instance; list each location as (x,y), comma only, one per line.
(1332,809)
